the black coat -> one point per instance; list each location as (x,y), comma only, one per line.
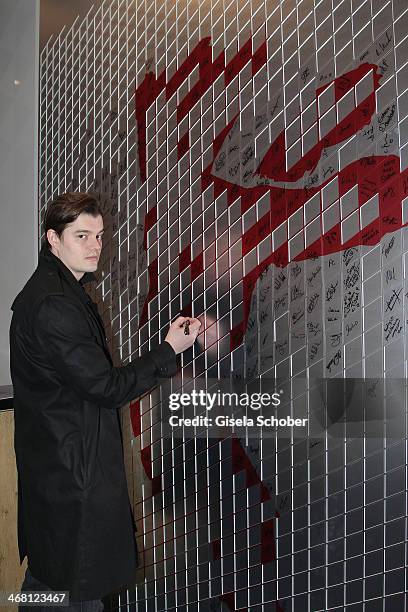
(75,522)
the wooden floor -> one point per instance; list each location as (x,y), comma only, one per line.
(11,573)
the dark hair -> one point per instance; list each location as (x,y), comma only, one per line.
(66,208)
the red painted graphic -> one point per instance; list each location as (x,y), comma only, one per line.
(374,175)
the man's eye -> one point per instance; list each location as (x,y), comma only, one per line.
(99,237)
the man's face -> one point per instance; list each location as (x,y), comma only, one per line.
(80,244)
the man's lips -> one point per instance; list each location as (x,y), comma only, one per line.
(93,257)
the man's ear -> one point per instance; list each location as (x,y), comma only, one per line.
(53,239)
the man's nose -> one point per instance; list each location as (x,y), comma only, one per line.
(96,244)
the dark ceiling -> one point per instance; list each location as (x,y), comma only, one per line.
(54,14)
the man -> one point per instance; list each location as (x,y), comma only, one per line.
(74,517)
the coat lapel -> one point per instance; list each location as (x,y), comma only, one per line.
(49,259)
(93,310)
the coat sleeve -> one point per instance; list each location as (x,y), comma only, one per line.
(63,334)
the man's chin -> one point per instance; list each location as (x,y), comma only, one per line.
(90,266)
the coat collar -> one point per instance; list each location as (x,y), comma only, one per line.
(48,259)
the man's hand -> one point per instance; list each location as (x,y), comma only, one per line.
(182,333)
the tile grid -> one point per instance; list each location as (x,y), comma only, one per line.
(56,175)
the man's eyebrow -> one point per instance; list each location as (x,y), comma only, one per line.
(84,231)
